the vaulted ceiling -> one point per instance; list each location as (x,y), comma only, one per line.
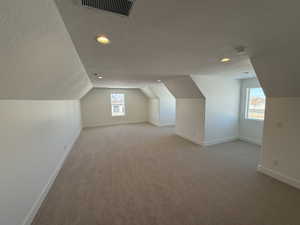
(48,51)
(171,38)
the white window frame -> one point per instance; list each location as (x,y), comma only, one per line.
(247,105)
(112,105)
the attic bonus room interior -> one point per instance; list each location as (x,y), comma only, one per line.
(136,112)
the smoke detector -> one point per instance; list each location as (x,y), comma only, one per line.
(241,50)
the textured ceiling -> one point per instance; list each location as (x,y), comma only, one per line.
(168,38)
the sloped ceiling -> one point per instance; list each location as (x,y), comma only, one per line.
(148,92)
(37,57)
(183,87)
(160,39)
(125,81)
(278,71)
(158,91)
(179,37)
(161,91)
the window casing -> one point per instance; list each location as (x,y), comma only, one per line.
(117,104)
(255,104)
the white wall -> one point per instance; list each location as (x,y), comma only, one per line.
(250,130)
(162,105)
(35,137)
(167,104)
(190,108)
(190,113)
(154,111)
(222,96)
(279,77)
(96,107)
(167,111)
(281,152)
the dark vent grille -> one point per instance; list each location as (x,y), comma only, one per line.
(117,6)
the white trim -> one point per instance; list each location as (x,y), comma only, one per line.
(113,124)
(251,140)
(37,204)
(220,141)
(162,125)
(111,104)
(256,120)
(154,124)
(279,176)
(246,103)
(166,125)
(248,90)
(189,139)
(120,115)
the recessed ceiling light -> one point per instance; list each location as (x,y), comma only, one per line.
(103,40)
(225,60)
(98,75)
(158,80)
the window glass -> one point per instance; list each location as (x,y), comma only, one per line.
(117,104)
(256,101)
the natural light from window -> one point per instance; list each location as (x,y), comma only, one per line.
(117,104)
(256,101)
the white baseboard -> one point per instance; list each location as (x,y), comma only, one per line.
(279,176)
(250,140)
(161,125)
(189,139)
(113,124)
(220,141)
(154,124)
(167,125)
(37,204)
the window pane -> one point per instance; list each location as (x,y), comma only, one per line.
(256,104)
(117,98)
(116,108)
(117,104)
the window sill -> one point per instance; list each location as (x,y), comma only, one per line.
(257,120)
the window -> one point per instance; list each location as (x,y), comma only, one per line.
(117,104)
(255,107)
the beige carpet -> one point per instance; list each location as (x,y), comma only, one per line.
(144,175)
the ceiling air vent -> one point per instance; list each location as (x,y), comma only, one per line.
(117,6)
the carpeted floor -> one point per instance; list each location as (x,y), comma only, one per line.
(144,175)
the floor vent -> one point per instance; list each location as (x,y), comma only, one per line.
(122,7)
